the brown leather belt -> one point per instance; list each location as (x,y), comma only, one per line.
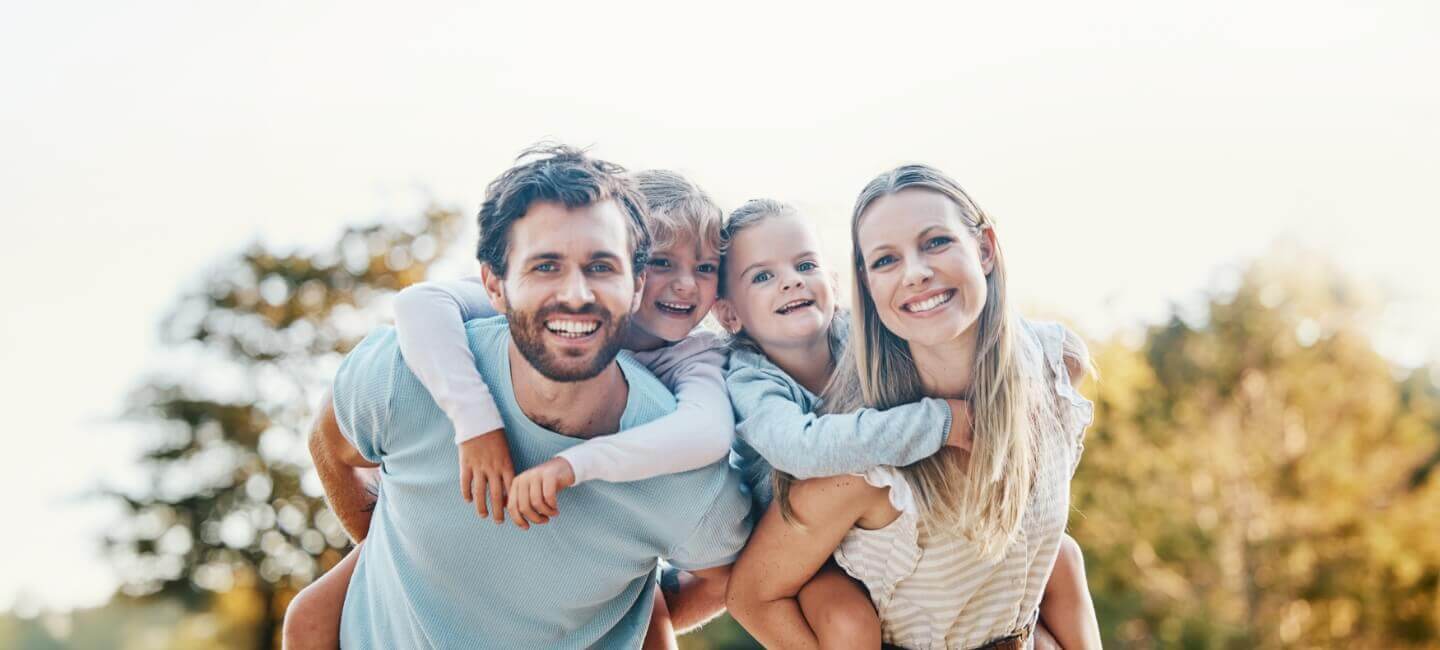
(1015,641)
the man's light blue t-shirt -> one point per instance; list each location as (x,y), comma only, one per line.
(433,574)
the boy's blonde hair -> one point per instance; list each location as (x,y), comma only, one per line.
(679,210)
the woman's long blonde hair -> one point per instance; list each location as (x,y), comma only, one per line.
(980,496)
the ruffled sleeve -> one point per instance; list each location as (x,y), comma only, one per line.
(883,557)
(1075,411)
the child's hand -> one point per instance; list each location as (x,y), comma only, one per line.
(961,431)
(535,494)
(485,465)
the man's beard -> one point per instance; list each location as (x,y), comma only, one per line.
(528,331)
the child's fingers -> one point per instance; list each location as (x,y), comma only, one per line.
(551,495)
(512,506)
(465,475)
(477,491)
(497,497)
(532,498)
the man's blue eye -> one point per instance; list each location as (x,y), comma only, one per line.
(545,267)
(600,267)
(760,277)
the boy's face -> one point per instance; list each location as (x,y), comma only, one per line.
(680,285)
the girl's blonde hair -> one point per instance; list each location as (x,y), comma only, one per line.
(980,496)
(678,210)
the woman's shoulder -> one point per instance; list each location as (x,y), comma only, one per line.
(829,497)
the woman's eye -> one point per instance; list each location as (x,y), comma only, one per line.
(936,242)
(884,260)
(660,263)
(760,277)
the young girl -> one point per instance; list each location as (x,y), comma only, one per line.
(681,280)
(956,550)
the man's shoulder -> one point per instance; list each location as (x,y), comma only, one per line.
(649,398)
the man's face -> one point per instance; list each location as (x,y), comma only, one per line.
(569,289)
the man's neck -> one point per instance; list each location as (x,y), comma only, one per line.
(579,409)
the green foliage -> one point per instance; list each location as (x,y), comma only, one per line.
(1261,478)
(227,508)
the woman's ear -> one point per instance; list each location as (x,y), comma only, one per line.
(988,246)
(494,287)
(724,312)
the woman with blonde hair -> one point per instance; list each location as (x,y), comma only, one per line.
(956,550)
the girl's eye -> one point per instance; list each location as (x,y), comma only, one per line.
(883,260)
(760,277)
(936,242)
(660,263)
(807,265)
(707,267)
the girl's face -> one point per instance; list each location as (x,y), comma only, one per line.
(777,290)
(680,285)
(924,266)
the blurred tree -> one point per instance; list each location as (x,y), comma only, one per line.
(1258,476)
(231,518)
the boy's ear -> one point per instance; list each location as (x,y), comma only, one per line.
(724,312)
(639,298)
(494,288)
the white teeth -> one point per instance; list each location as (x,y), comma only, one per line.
(928,304)
(794,304)
(676,307)
(572,327)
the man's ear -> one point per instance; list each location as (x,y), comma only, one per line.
(724,312)
(494,288)
(988,246)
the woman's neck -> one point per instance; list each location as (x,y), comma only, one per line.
(810,363)
(947,370)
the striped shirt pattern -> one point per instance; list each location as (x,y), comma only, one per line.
(936,591)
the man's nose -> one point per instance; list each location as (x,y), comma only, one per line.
(575,290)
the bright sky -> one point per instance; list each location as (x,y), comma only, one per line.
(1129,150)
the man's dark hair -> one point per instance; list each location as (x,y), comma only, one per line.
(565,175)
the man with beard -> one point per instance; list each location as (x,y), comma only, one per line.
(562,243)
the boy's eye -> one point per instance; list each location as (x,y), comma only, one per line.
(760,277)
(807,265)
(883,260)
(659,263)
(936,242)
(706,267)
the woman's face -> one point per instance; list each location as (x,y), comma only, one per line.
(777,290)
(923,265)
(680,284)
